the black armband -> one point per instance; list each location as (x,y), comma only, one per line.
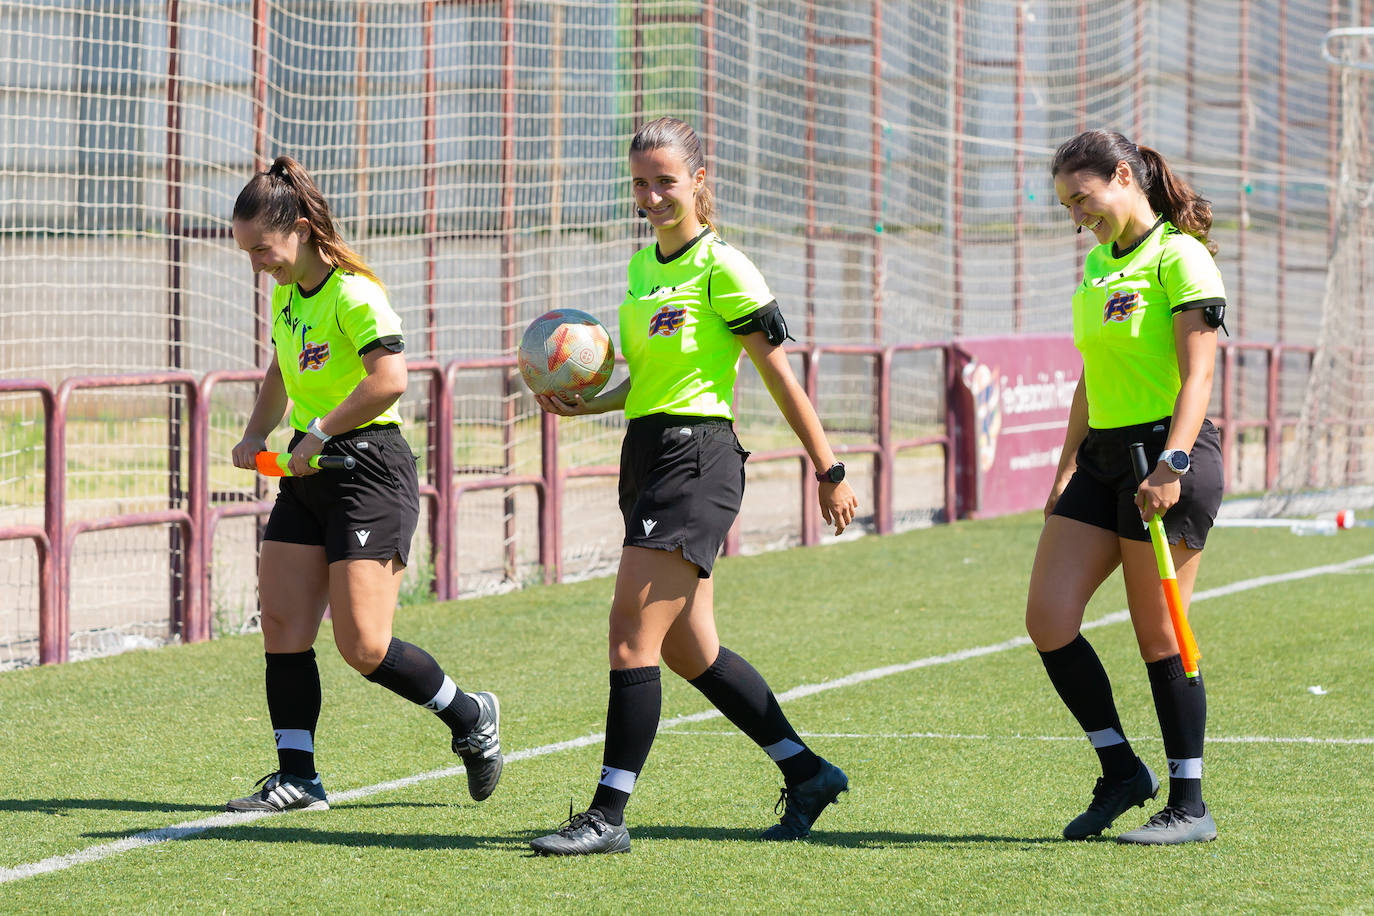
(392,342)
(1213,311)
(768,319)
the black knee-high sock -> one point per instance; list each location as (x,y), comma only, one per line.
(1181,703)
(735,688)
(293,704)
(631,723)
(1078,675)
(411,672)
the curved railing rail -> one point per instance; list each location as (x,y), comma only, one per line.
(197,515)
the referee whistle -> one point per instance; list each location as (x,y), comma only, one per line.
(276,464)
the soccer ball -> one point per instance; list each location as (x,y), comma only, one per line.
(566,352)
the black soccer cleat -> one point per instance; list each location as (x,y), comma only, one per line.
(1171,826)
(584,834)
(481,747)
(1110,801)
(804,802)
(283,792)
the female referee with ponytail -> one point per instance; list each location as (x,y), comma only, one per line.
(336,538)
(693,304)
(1145,320)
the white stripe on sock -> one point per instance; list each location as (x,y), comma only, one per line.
(295,739)
(621,780)
(447,691)
(1186,768)
(784,749)
(1106,737)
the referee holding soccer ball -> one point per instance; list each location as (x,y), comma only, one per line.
(693,304)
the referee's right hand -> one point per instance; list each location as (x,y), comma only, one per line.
(245,453)
(575,408)
(1055,492)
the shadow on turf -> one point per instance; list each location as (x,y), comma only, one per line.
(253,833)
(61,805)
(857,839)
(864,839)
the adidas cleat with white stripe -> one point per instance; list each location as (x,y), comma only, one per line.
(283,792)
(481,748)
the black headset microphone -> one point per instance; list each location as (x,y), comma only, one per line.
(1078,231)
(641,212)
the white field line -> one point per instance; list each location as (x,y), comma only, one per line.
(942,736)
(1114,617)
(233,819)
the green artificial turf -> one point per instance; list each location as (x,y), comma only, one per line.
(962,772)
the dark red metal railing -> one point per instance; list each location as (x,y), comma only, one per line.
(188,617)
(40,535)
(1273,422)
(198,517)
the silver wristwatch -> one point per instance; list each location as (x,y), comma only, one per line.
(313,427)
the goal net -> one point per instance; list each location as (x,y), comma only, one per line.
(1328,464)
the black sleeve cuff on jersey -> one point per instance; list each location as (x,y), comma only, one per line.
(1198,304)
(1213,311)
(392,342)
(767,319)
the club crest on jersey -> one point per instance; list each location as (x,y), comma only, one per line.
(1120,306)
(313,356)
(667,321)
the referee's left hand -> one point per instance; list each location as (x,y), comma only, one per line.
(838,503)
(1157,493)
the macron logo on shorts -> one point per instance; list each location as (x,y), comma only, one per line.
(362,536)
(648,524)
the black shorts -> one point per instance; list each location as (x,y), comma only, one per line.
(1102,490)
(681,484)
(369,512)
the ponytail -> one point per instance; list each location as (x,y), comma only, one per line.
(1100,151)
(1175,198)
(706,208)
(285,193)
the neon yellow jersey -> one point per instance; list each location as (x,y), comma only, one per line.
(675,327)
(1123,323)
(320,341)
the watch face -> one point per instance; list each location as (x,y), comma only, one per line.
(837,473)
(1178,460)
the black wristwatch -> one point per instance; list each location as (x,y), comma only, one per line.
(834,475)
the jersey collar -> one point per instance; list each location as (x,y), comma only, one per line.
(681,251)
(1138,242)
(307,293)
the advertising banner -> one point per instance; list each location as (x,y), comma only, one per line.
(1019,392)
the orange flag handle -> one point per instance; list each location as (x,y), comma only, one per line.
(276,464)
(1168,577)
(1187,644)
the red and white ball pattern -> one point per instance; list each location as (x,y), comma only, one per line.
(566,352)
